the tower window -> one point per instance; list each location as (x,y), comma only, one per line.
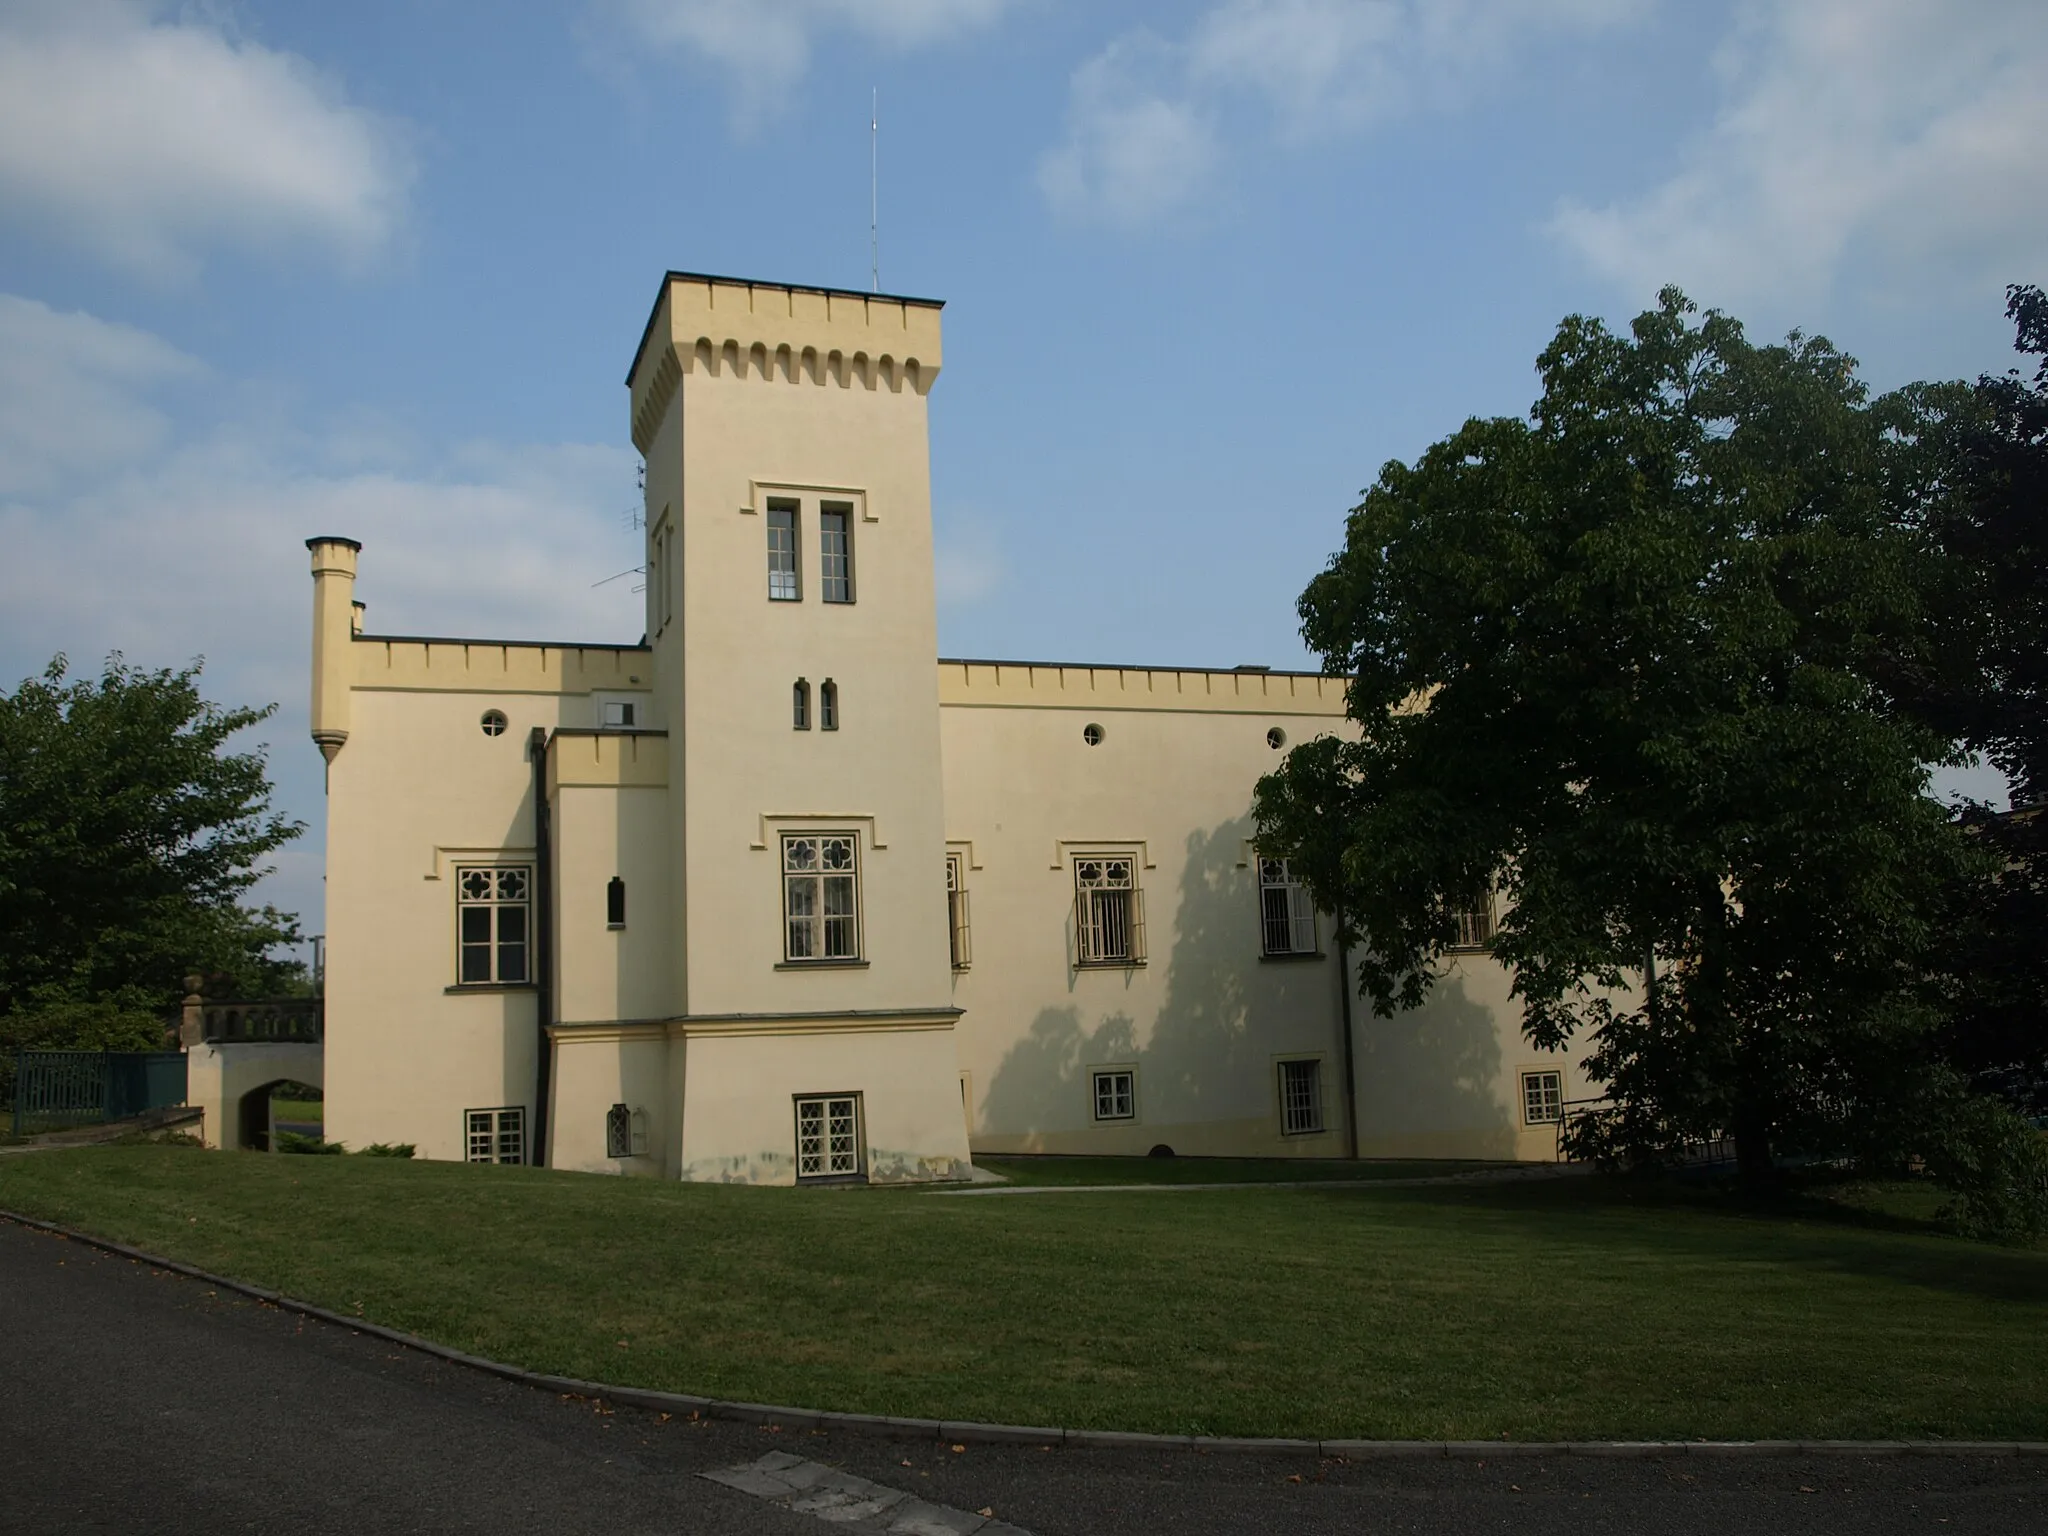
(493,722)
(800,706)
(1287,913)
(835,552)
(1092,734)
(784,585)
(619,714)
(492,905)
(615,903)
(828,705)
(820,897)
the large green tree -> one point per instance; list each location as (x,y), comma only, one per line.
(129,835)
(1625,662)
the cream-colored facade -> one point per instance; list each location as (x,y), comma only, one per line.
(777,895)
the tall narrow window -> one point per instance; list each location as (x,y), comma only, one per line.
(835,551)
(1301,1097)
(1287,914)
(956,911)
(615,903)
(820,897)
(784,585)
(828,705)
(1474,923)
(491,915)
(1109,922)
(495,1135)
(800,706)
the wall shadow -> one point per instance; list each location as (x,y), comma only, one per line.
(1434,1072)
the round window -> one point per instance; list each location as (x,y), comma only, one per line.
(1276,738)
(1092,734)
(493,722)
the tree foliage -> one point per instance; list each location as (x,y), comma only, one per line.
(1633,663)
(129,834)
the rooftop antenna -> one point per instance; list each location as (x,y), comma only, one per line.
(875,192)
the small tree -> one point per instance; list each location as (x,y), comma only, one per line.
(1624,662)
(128,836)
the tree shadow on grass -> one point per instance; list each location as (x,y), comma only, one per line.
(1795,1228)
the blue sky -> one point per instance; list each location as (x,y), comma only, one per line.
(269,269)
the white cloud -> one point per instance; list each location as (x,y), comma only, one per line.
(1891,130)
(192,542)
(765,45)
(149,141)
(1144,116)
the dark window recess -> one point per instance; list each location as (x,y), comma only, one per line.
(835,552)
(800,706)
(828,705)
(615,903)
(618,1131)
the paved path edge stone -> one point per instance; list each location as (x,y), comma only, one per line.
(969,1432)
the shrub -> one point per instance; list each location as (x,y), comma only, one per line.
(292,1141)
(389,1149)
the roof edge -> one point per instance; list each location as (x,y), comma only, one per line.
(672,276)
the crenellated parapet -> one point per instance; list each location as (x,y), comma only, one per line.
(776,333)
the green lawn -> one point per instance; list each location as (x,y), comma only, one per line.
(298,1111)
(1536,1310)
(1211,1170)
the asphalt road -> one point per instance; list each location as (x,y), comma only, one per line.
(135,1400)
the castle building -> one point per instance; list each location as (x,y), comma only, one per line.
(780,895)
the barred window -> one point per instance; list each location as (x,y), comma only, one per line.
(835,552)
(1287,914)
(493,911)
(1109,916)
(784,584)
(828,1136)
(1116,1095)
(495,1135)
(820,896)
(618,1131)
(1301,1097)
(956,912)
(1474,923)
(1542,1098)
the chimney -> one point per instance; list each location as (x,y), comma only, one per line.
(334,583)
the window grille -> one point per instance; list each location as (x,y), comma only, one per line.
(828,1137)
(1474,924)
(784,585)
(1287,914)
(800,706)
(496,1135)
(1301,1097)
(1542,1098)
(828,705)
(956,912)
(1109,914)
(615,903)
(1116,1095)
(820,896)
(618,1131)
(835,552)
(492,912)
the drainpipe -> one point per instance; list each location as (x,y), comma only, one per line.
(1350,1062)
(543,940)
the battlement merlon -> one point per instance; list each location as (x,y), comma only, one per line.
(778,331)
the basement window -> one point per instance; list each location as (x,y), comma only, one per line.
(1301,1097)
(1116,1095)
(828,1137)
(1542,1098)
(495,1135)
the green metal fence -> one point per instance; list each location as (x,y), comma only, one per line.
(56,1089)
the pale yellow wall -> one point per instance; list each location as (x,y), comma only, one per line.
(611,817)
(595,1070)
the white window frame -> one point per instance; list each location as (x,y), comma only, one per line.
(959,925)
(835,568)
(1105,938)
(830,1137)
(487,888)
(1542,1101)
(1300,1114)
(785,566)
(495,1135)
(813,883)
(1287,913)
(1113,1093)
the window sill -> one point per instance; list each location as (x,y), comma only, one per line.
(491,986)
(1297,954)
(821,965)
(1109,965)
(614,927)
(1297,1135)
(1468,949)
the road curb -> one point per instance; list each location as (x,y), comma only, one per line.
(971,1433)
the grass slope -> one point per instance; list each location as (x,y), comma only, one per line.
(1068,1171)
(1536,1311)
